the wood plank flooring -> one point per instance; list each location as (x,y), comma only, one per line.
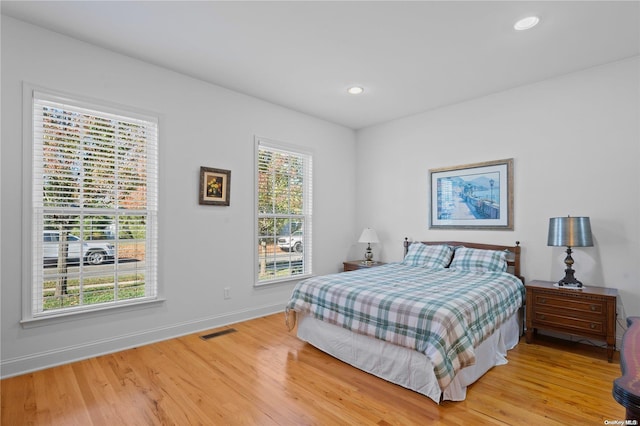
(263,375)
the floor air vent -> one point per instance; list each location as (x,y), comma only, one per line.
(218,333)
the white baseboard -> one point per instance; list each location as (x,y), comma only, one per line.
(46,359)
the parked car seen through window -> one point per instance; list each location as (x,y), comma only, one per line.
(91,252)
(293,242)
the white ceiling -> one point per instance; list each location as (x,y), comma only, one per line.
(409,56)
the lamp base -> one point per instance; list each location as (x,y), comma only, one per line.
(368,255)
(569,283)
(569,287)
(569,279)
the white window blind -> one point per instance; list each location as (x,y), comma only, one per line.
(94,206)
(284,212)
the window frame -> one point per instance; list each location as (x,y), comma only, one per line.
(307,213)
(30,315)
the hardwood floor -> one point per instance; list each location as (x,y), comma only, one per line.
(263,375)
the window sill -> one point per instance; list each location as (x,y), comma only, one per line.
(75,315)
(283,280)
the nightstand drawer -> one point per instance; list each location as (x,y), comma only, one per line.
(585,325)
(576,306)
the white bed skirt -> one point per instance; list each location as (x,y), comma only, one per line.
(406,367)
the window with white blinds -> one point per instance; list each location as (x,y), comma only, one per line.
(284,212)
(94,207)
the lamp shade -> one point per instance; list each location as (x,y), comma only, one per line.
(368,236)
(570,232)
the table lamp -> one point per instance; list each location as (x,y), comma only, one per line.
(569,232)
(368,236)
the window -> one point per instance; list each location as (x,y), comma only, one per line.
(284,212)
(94,207)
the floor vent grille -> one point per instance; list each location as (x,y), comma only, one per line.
(218,333)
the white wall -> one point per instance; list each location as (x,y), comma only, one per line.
(575,141)
(202,248)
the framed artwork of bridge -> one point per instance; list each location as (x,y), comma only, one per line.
(472,196)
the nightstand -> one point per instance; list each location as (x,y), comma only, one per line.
(352,265)
(588,312)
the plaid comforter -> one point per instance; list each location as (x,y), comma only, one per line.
(442,313)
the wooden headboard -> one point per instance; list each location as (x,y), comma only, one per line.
(513,260)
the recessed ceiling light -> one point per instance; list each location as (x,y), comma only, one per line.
(355,90)
(526,23)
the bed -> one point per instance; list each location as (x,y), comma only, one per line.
(434,322)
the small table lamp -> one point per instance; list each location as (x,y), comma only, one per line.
(569,232)
(368,236)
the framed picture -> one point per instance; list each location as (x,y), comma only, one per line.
(215,185)
(473,196)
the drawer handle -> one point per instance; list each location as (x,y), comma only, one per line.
(593,326)
(594,307)
(542,317)
(543,300)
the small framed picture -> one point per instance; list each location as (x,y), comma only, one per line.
(215,185)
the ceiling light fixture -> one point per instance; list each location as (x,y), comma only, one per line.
(355,90)
(526,23)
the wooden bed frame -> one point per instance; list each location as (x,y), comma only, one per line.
(513,259)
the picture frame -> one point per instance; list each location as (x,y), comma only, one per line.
(472,196)
(215,186)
